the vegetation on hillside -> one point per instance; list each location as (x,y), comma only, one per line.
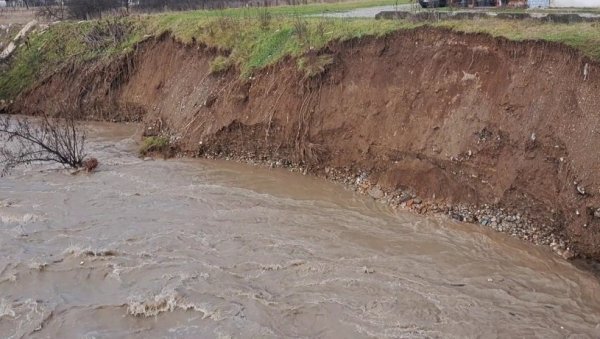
(156,145)
(254,37)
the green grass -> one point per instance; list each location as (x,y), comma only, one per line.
(278,11)
(61,43)
(253,47)
(582,36)
(155,145)
(220,64)
(254,40)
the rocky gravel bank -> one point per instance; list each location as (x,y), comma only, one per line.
(497,218)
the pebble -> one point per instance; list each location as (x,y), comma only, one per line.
(567,254)
(404,197)
(376,193)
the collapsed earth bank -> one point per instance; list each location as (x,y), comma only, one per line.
(488,130)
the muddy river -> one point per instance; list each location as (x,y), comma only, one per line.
(205,249)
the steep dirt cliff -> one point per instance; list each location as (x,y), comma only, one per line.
(448,117)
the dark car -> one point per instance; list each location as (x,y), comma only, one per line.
(433,3)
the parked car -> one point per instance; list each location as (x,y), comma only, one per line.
(433,3)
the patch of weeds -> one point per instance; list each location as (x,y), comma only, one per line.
(301,30)
(220,64)
(157,145)
(313,65)
(264,18)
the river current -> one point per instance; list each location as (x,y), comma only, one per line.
(213,249)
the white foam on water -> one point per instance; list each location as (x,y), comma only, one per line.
(88,251)
(17,218)
(37,266)
(168,300)
(6,309)
(7,203)
(27,316)
(193,249)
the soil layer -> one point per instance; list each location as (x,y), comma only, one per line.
(488,130)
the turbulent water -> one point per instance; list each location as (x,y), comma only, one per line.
(199,249)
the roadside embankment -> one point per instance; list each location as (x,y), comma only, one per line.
(487,130)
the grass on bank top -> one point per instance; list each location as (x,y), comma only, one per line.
(240,30)
(582,36)
(64,42)
(255,38)
(254,44)
(289,10)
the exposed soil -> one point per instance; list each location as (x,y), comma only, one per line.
(487,130)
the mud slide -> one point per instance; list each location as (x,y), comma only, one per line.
(487,130)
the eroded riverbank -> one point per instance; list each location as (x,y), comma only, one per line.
(188,248)
(465,123)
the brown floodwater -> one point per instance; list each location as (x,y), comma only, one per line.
(212,249)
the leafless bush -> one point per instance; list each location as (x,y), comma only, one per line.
(55,140)
(182,5)
(52,11)
(78,9)
(87,9)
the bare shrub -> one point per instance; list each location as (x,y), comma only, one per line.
(52,10)
(55,140)
(183,5)
(87,9)
(79,9)
(108,32)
